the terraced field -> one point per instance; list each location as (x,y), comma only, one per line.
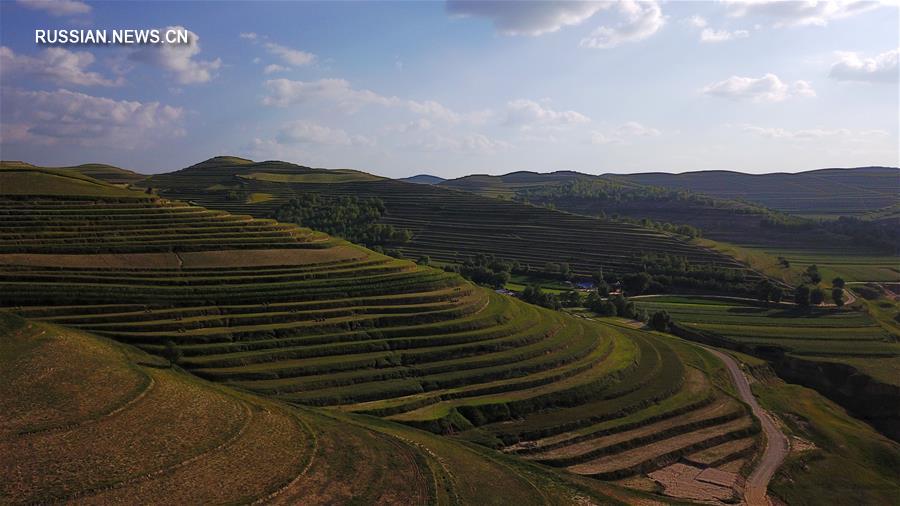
(825,192)
(844,354)
(447,225)
(302,318)
(90,421)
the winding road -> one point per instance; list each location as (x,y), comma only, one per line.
(777,446)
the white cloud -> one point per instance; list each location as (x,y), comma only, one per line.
(635,129)
(641,20)
(527,18)
(528,114)
(249,35)
(70,118)
(768,88)
(623,133)
(697,21)
(178,59)
(273,68)
(284,92)
(306,132)
(55,64)
(472,143)
(289,55)
(854,67)
(814,134)
(57,7)
(711,35)
(799,13)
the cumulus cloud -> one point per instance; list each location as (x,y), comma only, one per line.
(799,13)
(285,92)
(527,18)
(471,143)
(641,20)
(65,117)
(57,7)
(768,88)
(289,55)
(855,67)
(527,114)
(55,64)
(711,35)
(306,132)
(623,133)
(273,68)
(179,59)
(813,134)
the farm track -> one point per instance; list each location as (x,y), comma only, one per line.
(777,444)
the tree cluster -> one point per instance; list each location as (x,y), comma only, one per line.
(352,218)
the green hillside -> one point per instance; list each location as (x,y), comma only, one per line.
(106,423)
(447,226)
(304,319)
(103,172)
(825,192)
(845,354)
(860,248)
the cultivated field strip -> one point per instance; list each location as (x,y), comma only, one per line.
(824,332)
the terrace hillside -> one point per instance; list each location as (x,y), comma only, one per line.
(104,423)
(305,319)
(446,225)
(824,192)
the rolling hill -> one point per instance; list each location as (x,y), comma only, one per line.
(855,250)
(290,316)
(103,172)
(446,225)
(423,179)
(824,192)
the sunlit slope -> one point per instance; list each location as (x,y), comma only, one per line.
(446,225)
(310,320)
(90,421)
(103,172)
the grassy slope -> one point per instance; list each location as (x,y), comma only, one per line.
(850,464)
(448,226)
(728,226)
(26,181)
(103,172)
(76,394)
(817,192)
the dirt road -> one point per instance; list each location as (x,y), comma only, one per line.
(755,492)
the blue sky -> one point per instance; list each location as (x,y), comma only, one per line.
(455,88)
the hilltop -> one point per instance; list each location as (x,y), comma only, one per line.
(423,179)
(103,172)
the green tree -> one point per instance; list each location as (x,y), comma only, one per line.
(637,283)
(571,299)
(816,296)
(764,290)
(602,287)
(801,296)
(424,260)
(777,293)
(837,282)
(812,275)
(837,294)
(660,321)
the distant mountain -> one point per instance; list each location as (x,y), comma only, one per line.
(823,192)
(103,172)
(423,179)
